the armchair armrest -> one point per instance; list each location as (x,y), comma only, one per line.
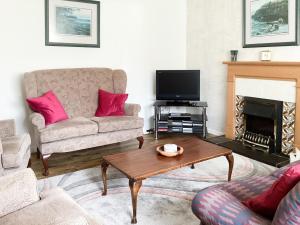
(47,192)
(37,120)
(288,209)
(7,128)
(132,109)
(1,151)
(17,190)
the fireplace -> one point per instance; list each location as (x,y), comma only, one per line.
(263,124)
(269,80)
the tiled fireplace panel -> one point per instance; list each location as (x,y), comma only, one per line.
(288,123)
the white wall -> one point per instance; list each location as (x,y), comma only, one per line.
(214,27)
(139,36)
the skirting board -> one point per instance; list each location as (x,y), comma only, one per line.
(215,132)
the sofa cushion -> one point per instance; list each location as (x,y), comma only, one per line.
(70,128)
(110,104)
(267,202)
(244,189)
(49,106)
(215,206)
(14,150)
(115,123)
(56,209)
(288,211)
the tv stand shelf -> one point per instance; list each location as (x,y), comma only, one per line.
(180,123)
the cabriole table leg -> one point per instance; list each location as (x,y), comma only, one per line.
(135,186)
(104,166)
(230,160)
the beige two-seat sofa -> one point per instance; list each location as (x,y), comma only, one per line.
(77,90)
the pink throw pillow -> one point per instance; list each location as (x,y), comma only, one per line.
(267,202)
(110,104)
(49,106)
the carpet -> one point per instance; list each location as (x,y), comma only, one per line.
(163,200)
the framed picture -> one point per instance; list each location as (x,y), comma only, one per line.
(74,23)
(271,23)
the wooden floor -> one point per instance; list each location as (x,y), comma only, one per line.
(74,161)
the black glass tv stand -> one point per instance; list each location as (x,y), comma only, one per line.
(180,122)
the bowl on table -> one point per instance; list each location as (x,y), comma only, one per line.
(170,153)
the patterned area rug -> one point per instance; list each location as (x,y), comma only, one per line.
(163,200)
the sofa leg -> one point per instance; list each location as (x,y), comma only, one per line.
(141,141)
(38,153)
(29,164)
(45,163)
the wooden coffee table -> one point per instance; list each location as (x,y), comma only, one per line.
(138,165)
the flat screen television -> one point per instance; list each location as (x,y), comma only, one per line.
(178,85)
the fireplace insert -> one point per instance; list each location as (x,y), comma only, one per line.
(263,122)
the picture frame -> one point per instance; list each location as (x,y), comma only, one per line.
(72,23)
(270,23)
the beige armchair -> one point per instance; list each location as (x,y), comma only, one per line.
(20,203)
(14,149)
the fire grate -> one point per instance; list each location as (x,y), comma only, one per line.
(257,141)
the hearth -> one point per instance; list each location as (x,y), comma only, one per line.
(277,160)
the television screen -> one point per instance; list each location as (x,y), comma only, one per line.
(182,85)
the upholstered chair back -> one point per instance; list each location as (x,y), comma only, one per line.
(7,129)
(77,89)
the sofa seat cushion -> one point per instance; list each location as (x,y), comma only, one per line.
(56,209)
(215,206)
(14,150)
(248,188)
(116,123)
(70,128)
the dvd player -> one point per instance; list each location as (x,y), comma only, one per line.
(180,116)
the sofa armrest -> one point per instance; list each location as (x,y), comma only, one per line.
(17,190)
(132,109)
(7,128)
(37,120)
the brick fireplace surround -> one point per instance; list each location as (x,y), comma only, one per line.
(260,70)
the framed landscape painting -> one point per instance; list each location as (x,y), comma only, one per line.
(270,23)
(74,23)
